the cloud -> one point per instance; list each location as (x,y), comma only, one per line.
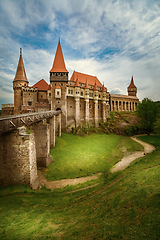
(110,39)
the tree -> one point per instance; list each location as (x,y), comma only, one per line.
(147,110)
(157,126)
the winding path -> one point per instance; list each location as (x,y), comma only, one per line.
(117,167)
(125,161)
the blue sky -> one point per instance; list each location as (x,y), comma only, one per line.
(110,39)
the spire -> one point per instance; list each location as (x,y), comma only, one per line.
(59,64)
(103,88)
(77,83)
(95,86)
(132,83)
(20,74)
(86,84)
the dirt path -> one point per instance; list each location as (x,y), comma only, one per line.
(64,182)
(117,167)
(127,160)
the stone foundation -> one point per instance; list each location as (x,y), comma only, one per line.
(18,158)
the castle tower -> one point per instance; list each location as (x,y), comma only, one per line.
(59,80)
(20,81)
(95,100)
(132,89)
(77,103)
(103,103)
(86,100)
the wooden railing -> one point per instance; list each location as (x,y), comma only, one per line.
(14,121)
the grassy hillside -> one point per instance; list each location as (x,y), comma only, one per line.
(124,205)
(79,156)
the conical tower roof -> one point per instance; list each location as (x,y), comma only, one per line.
(86,84)
(95,86)
(21,73)
(77,83)
(132,84)
(59,64)
(103,88)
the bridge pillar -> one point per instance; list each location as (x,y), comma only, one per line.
(42,140)
(18,158)
(52,131)
(58,125)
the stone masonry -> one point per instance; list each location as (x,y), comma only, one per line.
(18,158)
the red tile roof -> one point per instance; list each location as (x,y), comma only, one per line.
(132,84)
(42,85)
(82,78)
(20,74)
(59,64)
(123,96)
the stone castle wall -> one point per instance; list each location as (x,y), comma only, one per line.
(18,158)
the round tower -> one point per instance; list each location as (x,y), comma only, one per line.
(132,89)
(20,81)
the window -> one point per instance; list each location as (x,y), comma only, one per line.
(98,106)
(81,93)
(57,92)
(41,96)
(50,94)
(90,106)
(71,91)
(62,84)
(55,84)
(29,103)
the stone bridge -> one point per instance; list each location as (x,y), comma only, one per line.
(25,142)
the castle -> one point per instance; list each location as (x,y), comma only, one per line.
(82,99)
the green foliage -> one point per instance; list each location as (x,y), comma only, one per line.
(147,110)
(157,126)
(29,131)
(124,205)
(132,130)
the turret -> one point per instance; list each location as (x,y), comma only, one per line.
(59,73)
(95,89)
(19,81)
(77,88)
(59,80)
(132,89)
(86,97)
(103,93)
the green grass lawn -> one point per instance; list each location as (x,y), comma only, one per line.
(77,156)
(124,205)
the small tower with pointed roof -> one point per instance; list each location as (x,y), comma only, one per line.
(132,89)
(19,81)
(59,78)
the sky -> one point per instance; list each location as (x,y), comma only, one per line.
(110,39)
